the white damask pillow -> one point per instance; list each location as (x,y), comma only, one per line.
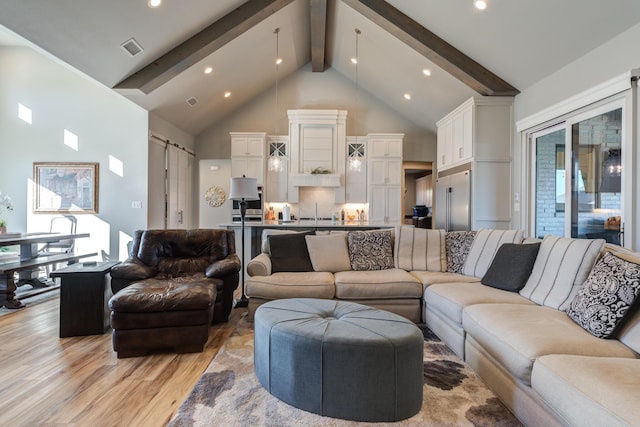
(607,296)
(370,250)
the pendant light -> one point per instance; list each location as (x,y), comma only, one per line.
(356,150)
(277,150)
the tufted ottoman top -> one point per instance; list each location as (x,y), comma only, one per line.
(337,321)
(339,359)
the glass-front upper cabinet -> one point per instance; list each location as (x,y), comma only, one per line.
(579,175)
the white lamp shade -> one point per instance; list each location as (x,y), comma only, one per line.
(243,188)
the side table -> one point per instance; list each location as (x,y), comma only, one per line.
(84,296)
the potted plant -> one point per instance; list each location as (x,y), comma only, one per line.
(5,202)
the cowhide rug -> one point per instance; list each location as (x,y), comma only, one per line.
(229,394)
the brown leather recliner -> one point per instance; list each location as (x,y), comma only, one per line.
(158,254)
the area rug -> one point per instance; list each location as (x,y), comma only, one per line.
(229,394)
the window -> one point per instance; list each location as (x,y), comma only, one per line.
(578,174)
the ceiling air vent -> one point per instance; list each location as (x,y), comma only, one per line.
(132,47)
(192,101)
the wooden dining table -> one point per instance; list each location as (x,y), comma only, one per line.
(30,259)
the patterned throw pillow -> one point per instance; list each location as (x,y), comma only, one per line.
(606,296)
(370,250)
(458,244)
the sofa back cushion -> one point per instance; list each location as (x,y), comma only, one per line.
(420,249)
(270,232)
(562,266)
(329,253)
(370,250)
(289,252)
(484,248)
(180,252)
(457,246)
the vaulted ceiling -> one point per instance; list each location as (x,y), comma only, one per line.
(499,51)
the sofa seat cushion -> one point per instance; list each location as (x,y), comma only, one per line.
(391,283)
(430,277)
(585,390)
(313,284)
(451,298)
(515,335)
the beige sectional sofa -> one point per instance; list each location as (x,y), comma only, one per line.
(546,367)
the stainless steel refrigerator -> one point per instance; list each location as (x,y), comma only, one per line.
(453,202)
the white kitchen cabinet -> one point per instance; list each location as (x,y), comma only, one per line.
(385,204)
(356,173)
(356,185)
(385,171)
(480,129)
(385,145)
(478,136)
(384,176)
(277,177)
(444,144)
(248,155)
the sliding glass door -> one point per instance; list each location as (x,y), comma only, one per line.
(578,176)
(550,181)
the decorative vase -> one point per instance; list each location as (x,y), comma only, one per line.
(3,229)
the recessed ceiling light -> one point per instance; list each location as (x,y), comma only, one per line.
(354,60)
(227,94)
(278,61)
(208,70)
(154,3)
(426,72)
(480,4)
(407,96)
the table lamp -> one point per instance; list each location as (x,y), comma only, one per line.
(243,189)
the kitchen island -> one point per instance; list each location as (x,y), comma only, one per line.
(253,230)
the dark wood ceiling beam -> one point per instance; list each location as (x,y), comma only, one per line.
(433,47)
(201,45)
(318,19)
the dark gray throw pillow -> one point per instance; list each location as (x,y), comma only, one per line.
(289,252)
(511,267)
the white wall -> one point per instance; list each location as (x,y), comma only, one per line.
(613,58)
(106,125)
(305,89)
(214,173)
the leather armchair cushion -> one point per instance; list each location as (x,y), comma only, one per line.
(166,294)
(194,249)
(132,269)
(224,267)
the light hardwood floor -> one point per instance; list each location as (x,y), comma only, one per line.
(47,380)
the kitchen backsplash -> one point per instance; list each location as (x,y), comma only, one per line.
(324,198)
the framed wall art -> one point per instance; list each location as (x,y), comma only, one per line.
(65,187)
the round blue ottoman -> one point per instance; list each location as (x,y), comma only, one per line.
(339,359)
